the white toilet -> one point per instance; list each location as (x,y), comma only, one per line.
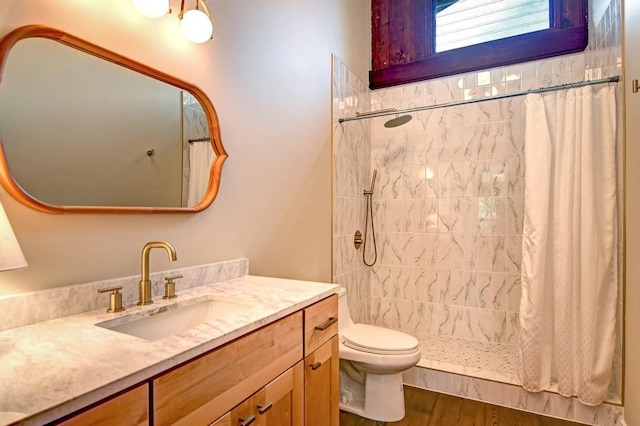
(371,363)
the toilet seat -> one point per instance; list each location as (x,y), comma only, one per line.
(379,340)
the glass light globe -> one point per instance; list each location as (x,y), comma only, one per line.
(152,8)
(197,26)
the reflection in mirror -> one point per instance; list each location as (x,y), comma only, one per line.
(93,132)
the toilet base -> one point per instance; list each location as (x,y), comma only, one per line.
(384,399)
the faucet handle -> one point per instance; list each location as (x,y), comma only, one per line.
(115,298)
(170,287)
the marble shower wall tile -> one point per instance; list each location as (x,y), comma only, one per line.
(462,322)
(351,150)
(449,216)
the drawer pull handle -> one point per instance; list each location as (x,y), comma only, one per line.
(315,366)
(328,323)
(247,421)
(264,408)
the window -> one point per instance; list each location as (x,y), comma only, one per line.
(415,40)
(461,23)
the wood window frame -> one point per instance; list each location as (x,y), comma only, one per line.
(403,48)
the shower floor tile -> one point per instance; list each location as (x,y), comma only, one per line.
(485,360)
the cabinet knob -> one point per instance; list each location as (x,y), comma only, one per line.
(115,298)
(264,408)
(635,86)
(315,366)
(328,323)
(248,420)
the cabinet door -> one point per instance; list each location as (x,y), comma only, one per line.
(321,387)
(280,403)
(130,408)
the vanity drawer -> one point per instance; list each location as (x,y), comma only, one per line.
(320,323)
(128,408)
(204,389)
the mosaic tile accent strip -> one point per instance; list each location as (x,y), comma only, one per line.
(492,361)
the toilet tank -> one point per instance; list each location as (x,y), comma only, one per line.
(343,311)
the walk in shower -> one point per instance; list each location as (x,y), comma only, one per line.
(448,211)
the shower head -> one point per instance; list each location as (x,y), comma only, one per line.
(394,122)
(398,121)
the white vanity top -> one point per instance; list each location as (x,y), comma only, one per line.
(52,368)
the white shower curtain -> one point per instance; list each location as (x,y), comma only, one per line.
(200,157)
(569,247)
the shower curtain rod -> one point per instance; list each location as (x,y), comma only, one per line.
(613,79)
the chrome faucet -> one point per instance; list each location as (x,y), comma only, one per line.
(145,284)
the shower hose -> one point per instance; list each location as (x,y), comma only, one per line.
(369,213)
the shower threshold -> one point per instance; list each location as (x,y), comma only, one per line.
(484,360)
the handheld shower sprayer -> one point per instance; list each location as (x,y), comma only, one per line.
(373,182)
(369,213)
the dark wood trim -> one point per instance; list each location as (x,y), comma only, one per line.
(409,49)
(380,26)
(539,45)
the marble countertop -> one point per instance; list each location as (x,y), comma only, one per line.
(53,368)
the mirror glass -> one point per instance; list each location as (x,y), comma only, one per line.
(84,129)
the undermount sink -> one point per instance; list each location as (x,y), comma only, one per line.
(174,319)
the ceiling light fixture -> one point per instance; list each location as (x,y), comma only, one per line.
(196,23)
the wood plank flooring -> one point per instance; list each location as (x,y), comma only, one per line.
(426,408)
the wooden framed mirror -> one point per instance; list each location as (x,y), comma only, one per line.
(84,129)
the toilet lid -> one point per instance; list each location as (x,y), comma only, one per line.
(369,338)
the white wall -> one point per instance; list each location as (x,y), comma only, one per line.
(268,73)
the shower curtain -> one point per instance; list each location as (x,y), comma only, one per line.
(200,158)
(569,247)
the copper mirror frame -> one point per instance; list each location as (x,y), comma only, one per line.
(15,190)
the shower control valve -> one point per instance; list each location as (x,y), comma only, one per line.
(357,240)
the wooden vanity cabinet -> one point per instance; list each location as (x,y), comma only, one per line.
(204,389)
(321,372)
(317,403)
(285,373)
(318,374)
